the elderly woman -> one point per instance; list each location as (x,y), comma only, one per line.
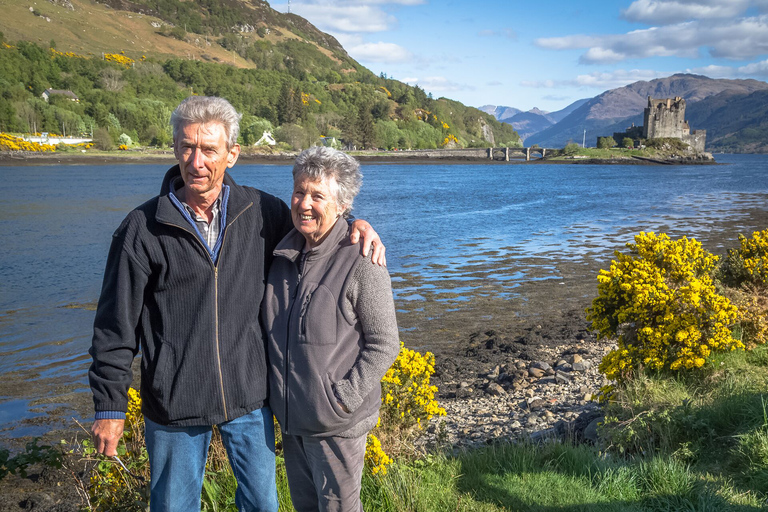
(332,334)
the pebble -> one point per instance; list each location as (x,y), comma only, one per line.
(524,399)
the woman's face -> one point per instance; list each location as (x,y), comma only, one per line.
(314,208)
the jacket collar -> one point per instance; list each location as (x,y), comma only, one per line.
(169,214)
(291,246)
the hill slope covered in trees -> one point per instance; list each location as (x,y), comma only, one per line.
(279,70)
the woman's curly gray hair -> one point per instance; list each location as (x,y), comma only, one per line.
(320,162)
(207,109)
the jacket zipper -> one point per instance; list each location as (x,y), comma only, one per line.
(216,298)
(302,263)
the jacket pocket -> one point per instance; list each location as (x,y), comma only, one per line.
(317,319)
(161,371)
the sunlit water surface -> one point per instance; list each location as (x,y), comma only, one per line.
(456,235)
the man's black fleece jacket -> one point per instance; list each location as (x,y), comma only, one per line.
(197,323)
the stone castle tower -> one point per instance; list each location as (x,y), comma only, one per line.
(665,118)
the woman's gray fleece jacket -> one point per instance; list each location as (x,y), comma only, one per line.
(331,336)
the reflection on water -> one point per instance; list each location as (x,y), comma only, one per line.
(467,244)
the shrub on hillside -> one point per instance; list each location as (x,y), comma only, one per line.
(659,301)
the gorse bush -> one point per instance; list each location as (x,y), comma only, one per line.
(659,301)
(745,273)
(407,404)
(112,487)
(748,263)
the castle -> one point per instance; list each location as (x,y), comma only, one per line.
(665,118)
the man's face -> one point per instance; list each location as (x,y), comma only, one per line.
(201,150)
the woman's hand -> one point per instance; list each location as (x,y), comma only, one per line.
(370,239)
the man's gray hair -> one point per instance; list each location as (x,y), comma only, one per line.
(319,162)
(207,109)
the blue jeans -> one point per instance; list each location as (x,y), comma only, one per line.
(177,458)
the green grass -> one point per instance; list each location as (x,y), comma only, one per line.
(695,443)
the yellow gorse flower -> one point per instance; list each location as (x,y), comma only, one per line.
(12,143)
(660,302)
(375,458)
(119,58)
(407,404)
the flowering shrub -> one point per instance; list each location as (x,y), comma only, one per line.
(407,404)
(375,458)
(745,270)
(57,53)
(110,487)
(119,58)
(450,140)
(660,301)
(748,263)
(11,143)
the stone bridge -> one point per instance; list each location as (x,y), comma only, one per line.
(497,154)
(506,153)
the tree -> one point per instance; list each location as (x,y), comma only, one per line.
(365,130)
(571,149)
(628,143)
(103,140)
(605,142)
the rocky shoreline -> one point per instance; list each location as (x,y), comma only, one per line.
(511,383)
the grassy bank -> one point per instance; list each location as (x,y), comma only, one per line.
(672,445)
(699,444)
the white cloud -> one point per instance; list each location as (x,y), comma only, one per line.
(347,15)
(618,78)
(599,80)
(755,69)
(738,39)
(666,12)
(752,70)
(357,18)
(380,52)
(438,84)
(713,71)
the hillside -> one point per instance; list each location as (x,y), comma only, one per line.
(617,109)
(130,62)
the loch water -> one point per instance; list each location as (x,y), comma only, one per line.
(453,233)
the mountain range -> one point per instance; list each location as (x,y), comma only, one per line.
(532,121)
(734,113)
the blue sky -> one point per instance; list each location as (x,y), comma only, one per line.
(548,53)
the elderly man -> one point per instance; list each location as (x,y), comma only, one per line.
(184,281)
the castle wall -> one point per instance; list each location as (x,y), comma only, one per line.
(696,139)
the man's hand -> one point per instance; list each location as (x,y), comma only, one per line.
(106,434)
(370,239)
